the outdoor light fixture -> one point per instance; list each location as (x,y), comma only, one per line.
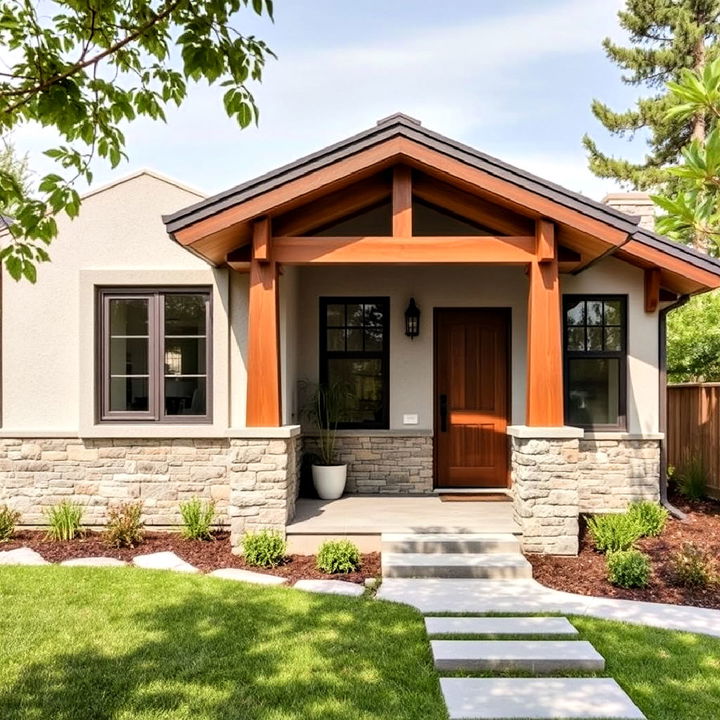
(412,320)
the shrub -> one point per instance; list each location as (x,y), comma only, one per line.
(266,548)
(8,518)
(197,517)
(338,556)
(65,520)
(124,526)
(628,568)
(691,479)
(650,517)
(612,533)
(693,567)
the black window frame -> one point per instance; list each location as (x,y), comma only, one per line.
(383,354)
(568,355)
(155,414)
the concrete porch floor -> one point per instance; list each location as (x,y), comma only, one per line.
(363,519)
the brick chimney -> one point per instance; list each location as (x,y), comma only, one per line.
(634,203)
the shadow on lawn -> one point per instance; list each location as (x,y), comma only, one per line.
(238,653)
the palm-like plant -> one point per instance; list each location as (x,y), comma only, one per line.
(323,408)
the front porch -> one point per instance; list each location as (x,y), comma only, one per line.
(364,518)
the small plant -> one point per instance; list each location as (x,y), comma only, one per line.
(65,521)
(628,569)
(124,526)
(612,533)
(691,479)
(323,409)
(8,519)
(693,567)
(197,517)
(266,548)
(650,517)
(338,556)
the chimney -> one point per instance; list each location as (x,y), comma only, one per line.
(634,203)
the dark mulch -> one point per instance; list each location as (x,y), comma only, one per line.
(586,573)
(206,556)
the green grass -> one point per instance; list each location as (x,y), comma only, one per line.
(116,644)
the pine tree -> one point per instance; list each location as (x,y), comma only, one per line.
(666,36)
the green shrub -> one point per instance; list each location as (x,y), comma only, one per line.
(266,548)
(612,533)
(8,518)
(628,568)
(691,478)
(65,521)
(650,517)
(124,526)
(197,517)
(693,567)
(338,556)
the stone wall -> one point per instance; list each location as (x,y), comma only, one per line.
(384,463)
(613,473)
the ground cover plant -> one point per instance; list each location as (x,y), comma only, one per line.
(197,517)
(64,521)
(628,568)
(8,520)
(338,556)
(124,526)
(265,548)
(612,533)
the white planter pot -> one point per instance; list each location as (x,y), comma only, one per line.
(329,480)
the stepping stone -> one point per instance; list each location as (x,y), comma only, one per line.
(93,562)
(331,587)
(499,626)
(248,576)
(163,561)
(22,556)
(536,656)
(456,565)
(513,698)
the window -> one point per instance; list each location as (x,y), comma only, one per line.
(595,360)
(354,352)
(154,355)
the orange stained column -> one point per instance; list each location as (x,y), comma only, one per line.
(263,367)
(544,358)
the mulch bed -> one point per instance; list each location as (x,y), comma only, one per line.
(586,574)
(206,556)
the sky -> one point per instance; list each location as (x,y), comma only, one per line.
(513,78)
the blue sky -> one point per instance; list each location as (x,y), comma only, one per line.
(513,78)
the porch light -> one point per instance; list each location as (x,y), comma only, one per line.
(412,320)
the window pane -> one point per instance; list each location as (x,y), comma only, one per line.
(128,356)
(129,316)
(594,312)
(576,338)
(335,315)
(363,381)
(594,338)
(613,312)
(185,314)
(354,315)
(373,339)
(576,313)
(185,356)
(336,340)
(373,314)
(613,338)
(593,391)
(185,396)
(354,339)
(129,394)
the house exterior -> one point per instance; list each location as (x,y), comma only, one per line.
(162,353)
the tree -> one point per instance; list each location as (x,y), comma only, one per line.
(15,167)
(666,36)
(86,68)
(693,345)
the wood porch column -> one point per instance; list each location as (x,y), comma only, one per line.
(263,367)
(544,335)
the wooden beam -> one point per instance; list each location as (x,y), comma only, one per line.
(402,202)
(544,351)
(545,237)
(263,364)
(652,289)
(261,240)
(403,251)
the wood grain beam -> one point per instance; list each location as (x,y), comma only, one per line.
(545,240)
(652,289)
(261,240)
(402,202)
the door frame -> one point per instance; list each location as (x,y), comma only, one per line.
(507,313)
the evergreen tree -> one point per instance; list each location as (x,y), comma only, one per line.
(666,36)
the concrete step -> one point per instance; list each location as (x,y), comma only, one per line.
(450,543)
(499,626)
(456,565)
(535,656)
(558,698)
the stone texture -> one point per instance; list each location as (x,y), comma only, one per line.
(94,562)
(248,576)
(22,556)
(385,463)
(330,587)
(163,561)
(456,565)
(499,626)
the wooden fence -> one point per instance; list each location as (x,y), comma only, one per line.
(693,428)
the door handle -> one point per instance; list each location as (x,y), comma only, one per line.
(443,413)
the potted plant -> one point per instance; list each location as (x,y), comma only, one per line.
(323,409)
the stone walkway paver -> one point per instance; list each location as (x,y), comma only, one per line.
(164,561)
(499,626)
(248,576)
(94,562)
(22,556)
(330,587)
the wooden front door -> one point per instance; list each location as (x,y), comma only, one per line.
(471,397)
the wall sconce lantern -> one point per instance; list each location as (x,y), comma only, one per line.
(412,320)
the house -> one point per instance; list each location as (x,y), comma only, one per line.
(159,355)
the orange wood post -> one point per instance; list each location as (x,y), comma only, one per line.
(263,367)
(544,336)
(652,289)
(402,202)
